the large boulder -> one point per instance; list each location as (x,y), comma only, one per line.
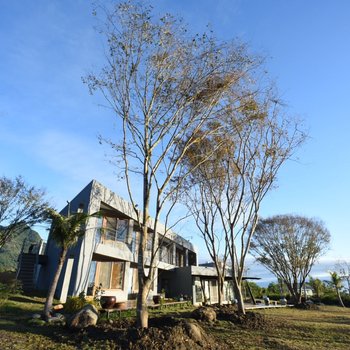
(86,317)
(194,332)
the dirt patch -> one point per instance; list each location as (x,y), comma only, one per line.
(251,320)
(307,306)
(164,333)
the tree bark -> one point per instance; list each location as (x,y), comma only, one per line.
(220,290)
(239,296)
(340,299)
(142,308)
(53,285)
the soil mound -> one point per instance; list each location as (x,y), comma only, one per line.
(182,335)
(164,333)
(307,306)
(251,320)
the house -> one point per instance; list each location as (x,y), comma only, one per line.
(107,255)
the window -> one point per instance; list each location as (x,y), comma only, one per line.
(111,275)
(135,280)
(122,230)
(116,229)
(149,241)
(135,241)
(166,253)
(91,280)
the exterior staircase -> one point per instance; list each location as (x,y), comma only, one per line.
(29,265)
(26,270)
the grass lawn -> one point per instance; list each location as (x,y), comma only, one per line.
(287,328)
(327,328)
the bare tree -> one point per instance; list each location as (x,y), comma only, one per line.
(203,208)
(163,86)
(21,205)
(254,140)
(343,269)
(288,246)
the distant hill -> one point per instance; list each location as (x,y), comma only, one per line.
(10,251)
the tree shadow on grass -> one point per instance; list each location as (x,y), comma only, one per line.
(24,299)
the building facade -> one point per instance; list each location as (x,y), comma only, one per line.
(106,256)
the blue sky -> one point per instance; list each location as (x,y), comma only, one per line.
(49,123)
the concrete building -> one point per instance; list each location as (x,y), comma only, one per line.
(107,256)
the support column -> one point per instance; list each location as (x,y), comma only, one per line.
(66,279)
(174,253)
(186,258)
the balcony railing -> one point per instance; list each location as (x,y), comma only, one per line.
(111,238)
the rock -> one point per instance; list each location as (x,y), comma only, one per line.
(206,314)
(194,332)
(57,307)
(87,316)
(36,316)
(57,320)
(60,316)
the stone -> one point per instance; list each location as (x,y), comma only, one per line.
(57,320)
(194,332)
(36,316)
(58,307)
(86,317)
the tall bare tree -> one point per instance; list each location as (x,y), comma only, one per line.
(163,86)
(201,203)
(253,141)
(343,269)
(21,205)
(288,246)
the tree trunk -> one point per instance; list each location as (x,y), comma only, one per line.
(220,281)
(142,308)
(220,290)
(293,289)
(53,285)
(239,296)
(340,299)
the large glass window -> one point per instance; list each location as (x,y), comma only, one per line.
(98,230)
(166,253)
(91,280)
(122,230)
(135,280)
(115,229)
(111,275)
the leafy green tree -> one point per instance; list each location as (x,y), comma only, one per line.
(21,205)
(288,246)
(337,284)
(273,288)
(255,289)
(65,232)
(317,286)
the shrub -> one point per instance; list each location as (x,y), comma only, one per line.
(9,285)
(74,304)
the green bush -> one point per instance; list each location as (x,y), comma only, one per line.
(74,304)
(332,299)
(9,285)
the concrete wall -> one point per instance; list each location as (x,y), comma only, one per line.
(90,198)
